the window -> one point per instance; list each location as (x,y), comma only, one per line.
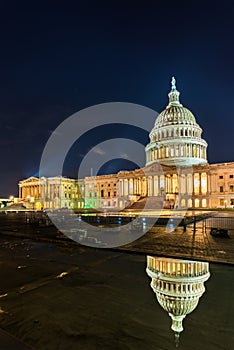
(90,194)
(232,201)
(221,189)
(231,176)
(221,176)
(108,194)
(221,202)
(114,193)
(102,193)
(231,188)
(108,185)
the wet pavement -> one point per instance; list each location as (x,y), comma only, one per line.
(9,342)
(172,242)
(57,297)
(198,245)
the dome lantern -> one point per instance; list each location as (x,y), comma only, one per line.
(174,95)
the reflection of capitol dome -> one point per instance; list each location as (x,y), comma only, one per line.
(178,285)
(176,137)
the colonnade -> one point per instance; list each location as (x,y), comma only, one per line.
(167,132)
(177,268)
(173,151)
(28,191)
(158,185)
(50,191)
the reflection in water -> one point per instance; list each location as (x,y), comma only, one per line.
(178,285)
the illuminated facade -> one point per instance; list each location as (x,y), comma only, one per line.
(101,192)
(176,173)
(52,193)
(178,285)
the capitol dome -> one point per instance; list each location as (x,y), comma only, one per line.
(178,285)
(176,137)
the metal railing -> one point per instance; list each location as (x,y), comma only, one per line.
(220,222)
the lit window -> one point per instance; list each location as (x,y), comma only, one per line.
(231,188)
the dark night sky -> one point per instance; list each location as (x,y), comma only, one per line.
(58,57)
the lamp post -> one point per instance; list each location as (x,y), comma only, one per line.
(12,198)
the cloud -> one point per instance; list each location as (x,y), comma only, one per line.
(124,155)
(99,151)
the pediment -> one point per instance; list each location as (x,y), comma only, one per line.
(31,179)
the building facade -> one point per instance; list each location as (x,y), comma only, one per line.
(176,174)
(101,192)
(52,193)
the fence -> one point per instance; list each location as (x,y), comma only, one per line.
(219,222)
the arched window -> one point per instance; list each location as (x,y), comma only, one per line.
(194,151)
(203,184)
(196,183)
(187,151)
(204,203)
(183,202)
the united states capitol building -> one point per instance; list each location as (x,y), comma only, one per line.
(176,174)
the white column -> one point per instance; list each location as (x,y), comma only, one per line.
(125,187)
(156,185)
